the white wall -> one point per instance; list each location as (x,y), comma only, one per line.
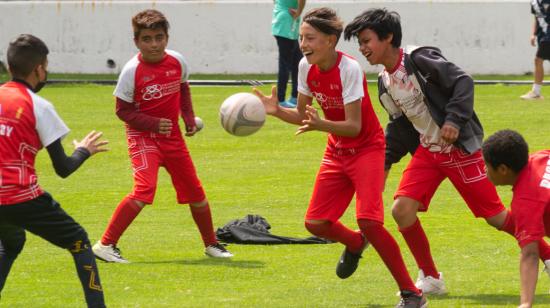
(222,36)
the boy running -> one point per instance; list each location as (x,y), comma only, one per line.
(430,103)
(28,123)
(152,91)
(508,162)
(353,162)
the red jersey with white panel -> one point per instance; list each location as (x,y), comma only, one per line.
(27,123)
(342,84)
(531,200)
(154,88)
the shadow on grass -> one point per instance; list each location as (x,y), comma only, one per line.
(489,299)
(210,262)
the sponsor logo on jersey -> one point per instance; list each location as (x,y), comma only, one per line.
(329,102)
(171,73)
(546,177)
(151,92)
(19,113)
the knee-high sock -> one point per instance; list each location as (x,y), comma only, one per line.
(388,250)
(420,248)
(336,231)
(203,219)
(86,268)
(509,226)
(125,213)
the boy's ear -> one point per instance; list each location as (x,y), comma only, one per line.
(502,169)
(389,38)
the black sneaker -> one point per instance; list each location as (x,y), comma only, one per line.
(410,299)
(348,262)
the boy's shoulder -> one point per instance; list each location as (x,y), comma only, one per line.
(423,51)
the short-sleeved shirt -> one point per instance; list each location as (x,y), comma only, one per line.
(28,122)
(344,83)
(411,101)
(531,198)
(541,10)
(282,23)
(154,88)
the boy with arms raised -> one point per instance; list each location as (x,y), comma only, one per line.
(508,162)
(353,163)
(152,91)
(430,103)
(27,123)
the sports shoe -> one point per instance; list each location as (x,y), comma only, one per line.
(217,251)
(431,285)
(547,267)
(108,253)
(293,101)
(286,104)
(349,261)
(531,95)
(410,299)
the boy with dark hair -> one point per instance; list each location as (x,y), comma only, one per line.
(430,103)
(152,91)
(27,123)
(508,162)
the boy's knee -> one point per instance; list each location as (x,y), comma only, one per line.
(13,246)
(317,227)
(404,209)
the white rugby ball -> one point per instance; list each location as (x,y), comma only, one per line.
(242,114)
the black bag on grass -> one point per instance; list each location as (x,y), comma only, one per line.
(254,229)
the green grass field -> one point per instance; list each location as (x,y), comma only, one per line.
(271,174)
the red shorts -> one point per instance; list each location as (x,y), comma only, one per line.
(467,172)
(532,220)
(342,176)
(147,154)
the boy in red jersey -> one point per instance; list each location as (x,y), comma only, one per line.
(27,123)
(508,162)
(430,103)
(354,158)
(152,91)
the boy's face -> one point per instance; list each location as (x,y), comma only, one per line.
(152,43)
(315,45)
(375,50)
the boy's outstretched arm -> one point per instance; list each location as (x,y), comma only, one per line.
(528,267)
(128,113)
(65,165)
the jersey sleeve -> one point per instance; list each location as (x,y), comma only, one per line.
(49,125)
(303,71)
(183,63)
(529,215)
(125,85)
(352,82)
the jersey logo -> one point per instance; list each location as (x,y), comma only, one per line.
(19,113)
(171,73)
(546,177)
(151,92)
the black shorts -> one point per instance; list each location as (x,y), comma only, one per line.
(42,216)
(543,51)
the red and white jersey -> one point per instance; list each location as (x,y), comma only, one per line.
(154,88)
(343,84)
(27,123)
(532,198)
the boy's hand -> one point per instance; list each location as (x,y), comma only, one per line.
(270,102)
(533,40)
(294,13)
(312,121)
(165,126)
(190,131)
(91,143)
(449,133)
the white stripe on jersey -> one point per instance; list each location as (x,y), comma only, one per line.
(126,81)
(49,125)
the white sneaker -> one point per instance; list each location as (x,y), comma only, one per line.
(217,251)
(431,285)
(547,267)
(531,95)
(108,253)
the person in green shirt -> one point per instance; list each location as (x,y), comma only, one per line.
(285,26)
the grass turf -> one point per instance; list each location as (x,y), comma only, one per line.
(271,174)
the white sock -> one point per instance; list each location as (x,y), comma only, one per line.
(536,88)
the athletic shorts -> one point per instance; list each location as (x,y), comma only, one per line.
(467,173)
(543,50)
(532,220)
(148,154)
(42,216)
(340,177)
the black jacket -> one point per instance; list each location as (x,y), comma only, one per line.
(449,94)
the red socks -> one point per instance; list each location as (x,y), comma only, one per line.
(125,213)
(420,248)
(203,220)
(336,231)
(388,250)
